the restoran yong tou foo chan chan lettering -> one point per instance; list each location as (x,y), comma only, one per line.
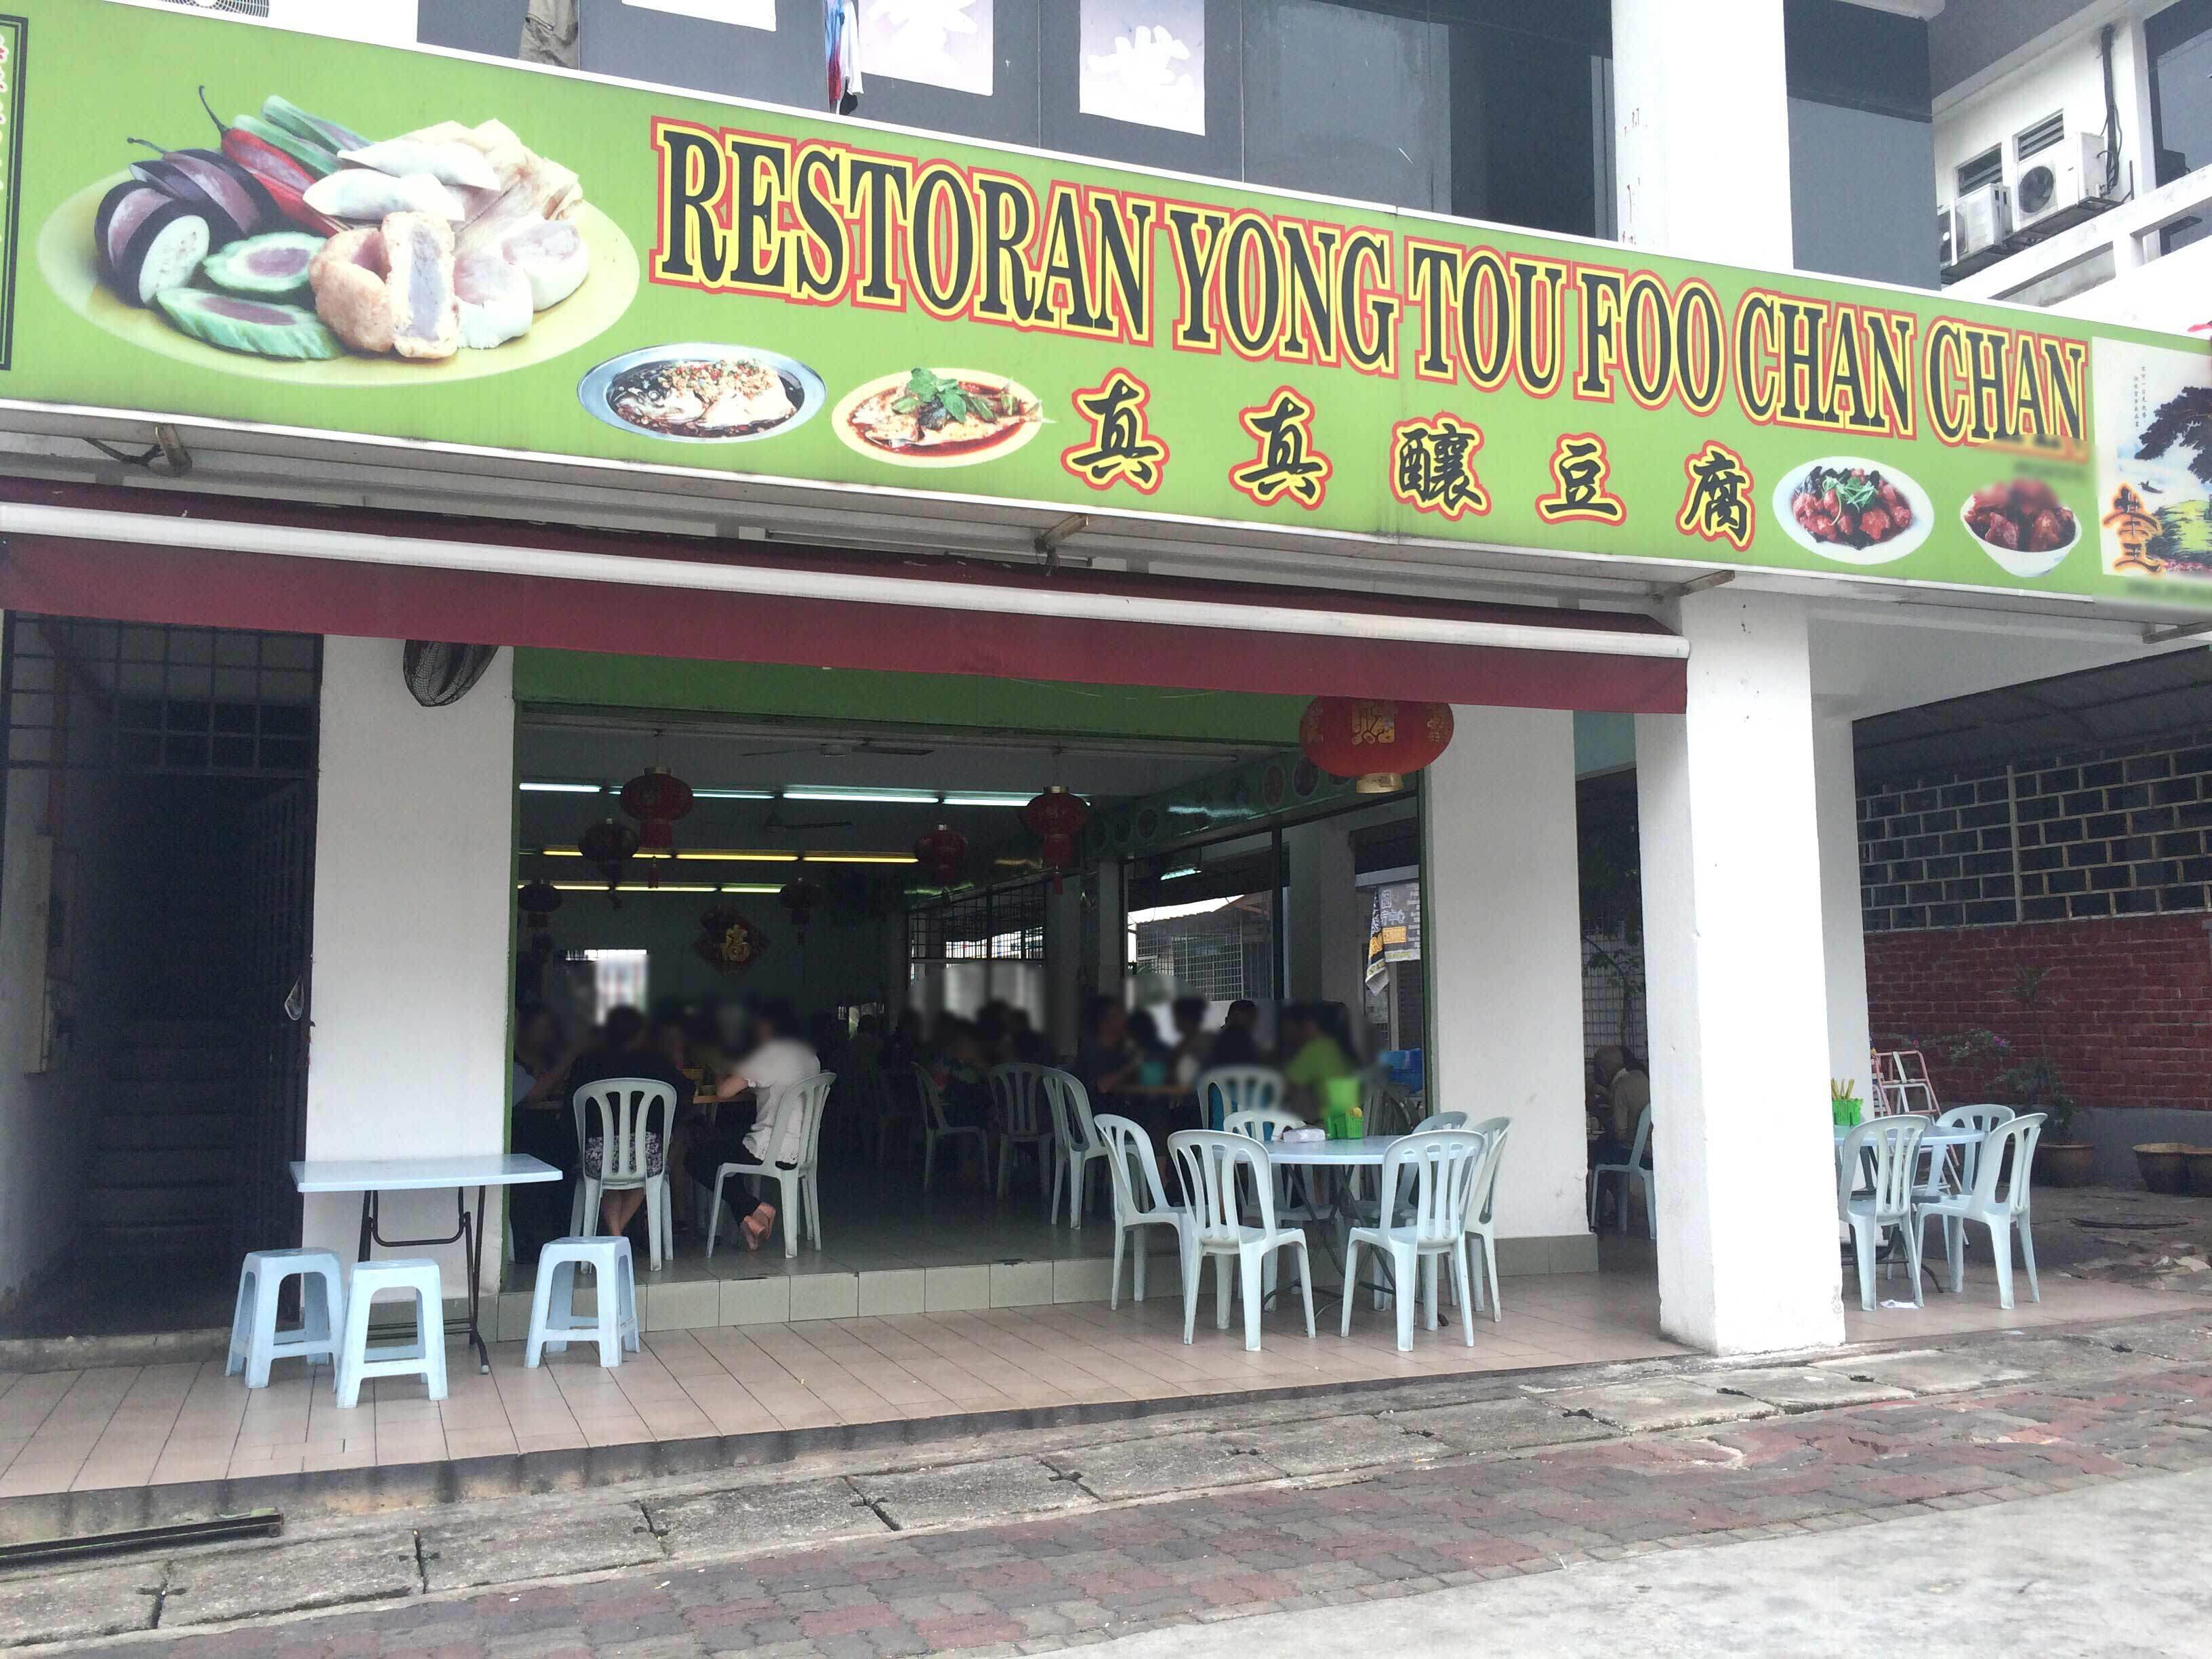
(826,223)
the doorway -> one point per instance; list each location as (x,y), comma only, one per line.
(158,881)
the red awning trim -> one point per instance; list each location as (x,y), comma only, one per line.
(141,557)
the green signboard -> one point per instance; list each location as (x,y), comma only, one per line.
(227,221)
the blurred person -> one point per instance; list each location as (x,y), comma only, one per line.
(1237,1043)
(769,1128)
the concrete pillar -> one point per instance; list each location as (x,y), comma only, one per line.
(1842,934)
(414,899)
(1112,964)
(1701,116)
(1063,964)
(1504,947)
(1738,996)
(1327,915)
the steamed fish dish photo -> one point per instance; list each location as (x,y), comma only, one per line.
(941,414)
(296,237)
(728,397)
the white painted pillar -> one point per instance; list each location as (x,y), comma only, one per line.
(414,892)
(1738,996)
(1701,117)
(1063,964)
(1505,960)
(1842,934)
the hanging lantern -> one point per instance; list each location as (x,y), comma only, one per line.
(727,941)
(799,897)
(1057,817)
(608,845)
(942,852)
(539,901)
(656,798)
(1376,740)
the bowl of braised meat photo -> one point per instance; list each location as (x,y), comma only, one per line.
(2022,525)
(1853,510)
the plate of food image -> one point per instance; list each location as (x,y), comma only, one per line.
(703,393)
(2022,525)
(937,418)
(300,251)
(1853,510)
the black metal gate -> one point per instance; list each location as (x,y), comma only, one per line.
(279,854)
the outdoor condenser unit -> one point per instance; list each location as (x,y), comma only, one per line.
(2070,171)
(1982,219)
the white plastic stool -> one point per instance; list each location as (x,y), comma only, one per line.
(254,1339)
(424,1357)
(553,1317)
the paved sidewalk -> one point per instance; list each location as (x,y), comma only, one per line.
(1413,1491)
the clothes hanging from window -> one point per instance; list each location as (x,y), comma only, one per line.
(840,41)
(550,33)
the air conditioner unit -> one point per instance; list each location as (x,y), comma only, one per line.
(2063,176)
(1982,219)
(1946,254)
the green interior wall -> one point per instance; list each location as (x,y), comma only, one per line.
(605,680)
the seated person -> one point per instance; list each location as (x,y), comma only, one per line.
(1153,1058)
(543,1126)
(1311,1057)
(1193,1042)
(627,1049)
(772,1131)
(1236,1044)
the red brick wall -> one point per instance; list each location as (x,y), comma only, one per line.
(2127,1007)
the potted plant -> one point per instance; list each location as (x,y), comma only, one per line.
(2029,1083)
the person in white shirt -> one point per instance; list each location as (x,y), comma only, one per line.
(772,1131)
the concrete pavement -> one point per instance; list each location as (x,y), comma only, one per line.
(1029,1543)
(2101,1571)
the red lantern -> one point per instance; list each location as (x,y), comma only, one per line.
(942,852)
(1057,817)
(656,799)
(608,845)
(1376,740)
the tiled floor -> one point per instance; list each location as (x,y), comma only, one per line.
(82,1429)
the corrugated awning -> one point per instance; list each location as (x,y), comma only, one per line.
(137,556)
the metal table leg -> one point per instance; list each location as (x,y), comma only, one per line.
(467,1234)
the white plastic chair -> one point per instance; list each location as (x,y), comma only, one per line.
(1437,1121)
(1076,1145)
(1635,1168)
(1226,1088)
(622,1109)
(1017,1100)
(935,1127)
(1436,1173)
(554,1322)
(1985,1208)
(255,1342)
(1129,1148)
(1212,1163)
(1981,1120)
(793,1192)
(1482,1212)
(1263,1125)
(1888,1150)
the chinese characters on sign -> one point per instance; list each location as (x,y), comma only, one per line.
(1578,479)
(1122,449)
(1432,466)
(1287,463)
(1718,504)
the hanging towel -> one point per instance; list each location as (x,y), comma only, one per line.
(841,42)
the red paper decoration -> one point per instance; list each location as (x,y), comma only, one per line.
(1376,740)
(1057,817)
(942,852)
(656,799)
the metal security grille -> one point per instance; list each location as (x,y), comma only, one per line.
(1006,925)
(127,697)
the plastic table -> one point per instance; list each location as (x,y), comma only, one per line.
(371,1176)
